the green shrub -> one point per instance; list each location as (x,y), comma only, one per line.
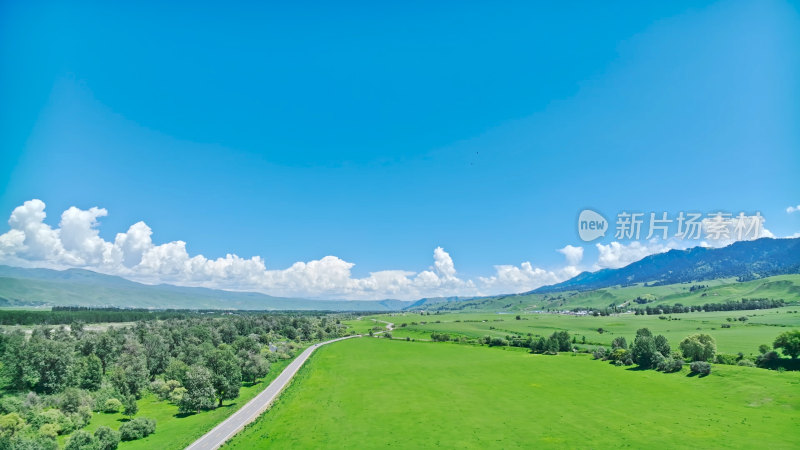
(746,363)
(137,428)
(49,430)
(112,405)
(723,358)
(107,439)
(599,353)
(700,367)
(497,342)
(81,440)
(669,365)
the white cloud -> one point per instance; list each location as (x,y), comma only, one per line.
(574,254)
(77,243)
(133,254)
(792,209)
(616,254)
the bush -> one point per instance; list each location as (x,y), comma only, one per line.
(107,439)
(619,354)
(669,365)
(600,353)
(177,395)
(497,342)
(49,430)
(746,363)
(768,360)
(700,367)
(730,360)
(112,405)
(81,440)
(105,393)
(699,347)
(137,428)
(157,387)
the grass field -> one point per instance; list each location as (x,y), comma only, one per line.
(175,430)
(761,327)
(380,393)
(786,287)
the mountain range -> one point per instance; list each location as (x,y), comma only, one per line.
(745,260)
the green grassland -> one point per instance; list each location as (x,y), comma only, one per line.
(786,287)
(761,327)
(378,393)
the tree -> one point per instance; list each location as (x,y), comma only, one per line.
(643,332)
(599,353)
(551,345)
(39,363)
(698,347)
(106,350)
(199,390)
(129,405)
(81,440)
(50,430)
(11,424)
(619,342)
(644,350)
(112,405)
(563,340)
(130,373)
(789,343)
(156,354)
(92,374)
(107,439)
(254,366)
(226,376)
(176,370)
(662,345)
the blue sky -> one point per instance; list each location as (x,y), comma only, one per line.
(377,132)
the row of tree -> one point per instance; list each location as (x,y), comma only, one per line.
(743,304)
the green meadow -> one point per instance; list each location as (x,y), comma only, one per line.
(761,326)
(379,393)
(721,290)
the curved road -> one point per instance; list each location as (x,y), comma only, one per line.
(252,409)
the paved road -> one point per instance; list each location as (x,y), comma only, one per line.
(233,424)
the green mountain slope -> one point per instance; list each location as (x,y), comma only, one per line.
(785,287)
(76,287)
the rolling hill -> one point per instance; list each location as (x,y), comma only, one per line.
(78,287)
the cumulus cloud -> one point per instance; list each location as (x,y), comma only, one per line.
(574,254)
(792,209)
(133,254)
(76,242)
(526,277)
(616,254)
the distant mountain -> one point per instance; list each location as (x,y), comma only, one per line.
(78,287)
(746,260)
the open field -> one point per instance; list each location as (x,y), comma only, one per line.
(377,393)
(786,287)
(761,327)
